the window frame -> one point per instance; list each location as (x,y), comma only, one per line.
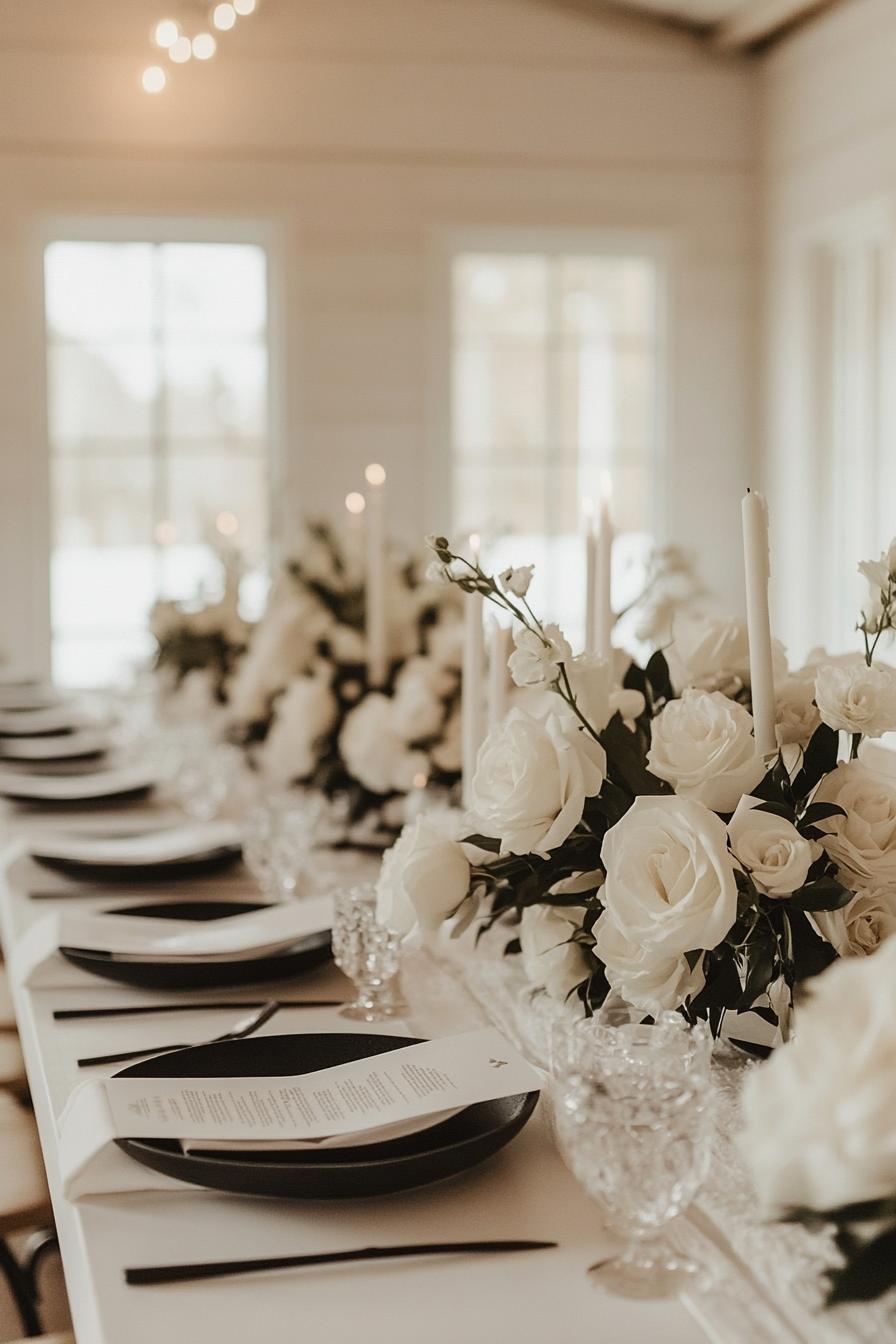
(170,228)
(447,245)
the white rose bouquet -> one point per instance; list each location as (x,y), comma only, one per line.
(196,637)
(818,1122)
(300,695)
(638,826)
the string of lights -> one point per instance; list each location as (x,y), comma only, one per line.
(197,40)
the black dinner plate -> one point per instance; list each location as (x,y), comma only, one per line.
(104,800)
(195,865)
(445,1149)
(305,955)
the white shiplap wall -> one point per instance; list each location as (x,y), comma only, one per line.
(362,133)
(828,97)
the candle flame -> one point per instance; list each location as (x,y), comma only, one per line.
(355,502)
(420,781)
(374,474)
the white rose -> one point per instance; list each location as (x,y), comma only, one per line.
(862,843)
(645,977)
(670,880)
(857,699)
(417,706)
(531,781)
(282,645)
(535,662)
(818,1115)
(770,848)
(857,929)
(517,580)
(550,959)
(374,753)
(591,679)
(709,652)
(703,745)
(797,714)
(424,877)
(303,715)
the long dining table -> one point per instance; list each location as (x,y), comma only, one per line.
(524,1191)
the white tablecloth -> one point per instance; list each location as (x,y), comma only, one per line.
(523,1192)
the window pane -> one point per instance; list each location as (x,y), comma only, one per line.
(95,291)
(157,386)
(213,291)
(554,381)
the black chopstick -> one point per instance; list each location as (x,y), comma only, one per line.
(216,1269)
(74,1014)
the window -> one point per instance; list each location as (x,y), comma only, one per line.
(555,376)
(157,368)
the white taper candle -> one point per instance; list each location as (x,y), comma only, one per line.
(590,574)
(375,595)
(754,515)
(499,646)
(604,635)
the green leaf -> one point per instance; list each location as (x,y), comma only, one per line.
(819,759)
(627,766)
(869,1273)
(657,672)
(483,842)
(776,787)
(825,894)
(760,973)
(777,809)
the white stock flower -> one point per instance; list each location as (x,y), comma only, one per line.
(550,959)
(710,653)
(858,929)
(880,572)
(863,842)
(818,1115)
(437,572)
(535,662)
(531,781)
(670,879)
(703,745)
(424,876)
(857,699)
(654,981)
(770,848)
(303,715)
(796,712)
(516,580)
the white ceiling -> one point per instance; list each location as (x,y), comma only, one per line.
(731,24)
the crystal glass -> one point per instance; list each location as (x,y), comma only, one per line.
(633,1119)
(206,777)
(369,954)
(280,834)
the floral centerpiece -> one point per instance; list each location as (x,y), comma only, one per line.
(637,839)
(302,691)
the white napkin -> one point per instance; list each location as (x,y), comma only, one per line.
(36,961)
(77,788)
(401,1129)
(399,1086)
(161,846)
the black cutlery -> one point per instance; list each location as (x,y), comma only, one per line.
(244,1028)
(217,1269)
(140,1010)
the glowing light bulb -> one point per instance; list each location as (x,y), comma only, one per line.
(355,502)
(244,7)
(223,17)
(374,474)
(181,50)
(420,781)
(166,33)
(227,523)
(204,46)
(154,79)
